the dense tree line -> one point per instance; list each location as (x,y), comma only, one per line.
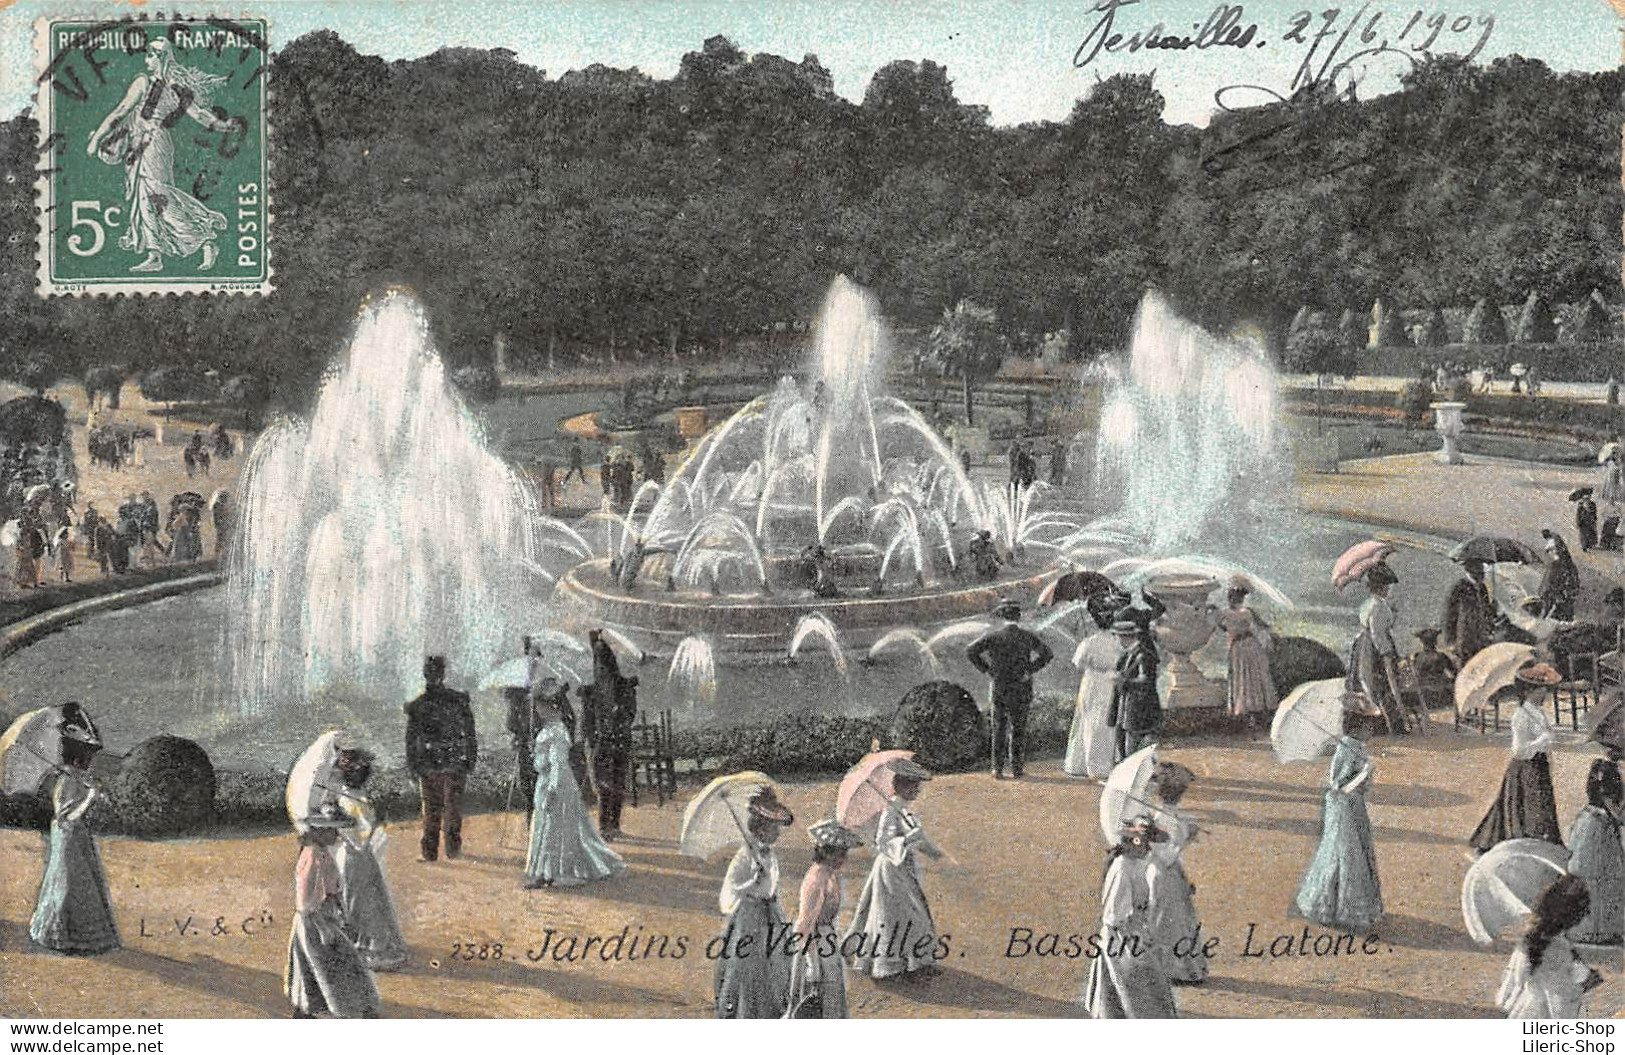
(631,216)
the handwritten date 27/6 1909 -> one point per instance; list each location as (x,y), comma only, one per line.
(1333,36)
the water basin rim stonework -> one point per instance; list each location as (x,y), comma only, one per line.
(763,623)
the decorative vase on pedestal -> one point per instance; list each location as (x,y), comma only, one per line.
(1447,423)
(1186,627)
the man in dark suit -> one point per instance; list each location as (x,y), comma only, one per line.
(1136,709)
(609,710)
(440,752)
(1010,656)
(1469,614)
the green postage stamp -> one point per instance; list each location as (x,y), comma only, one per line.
(154,170)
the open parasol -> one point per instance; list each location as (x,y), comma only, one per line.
(10,532)
(1359,559)
(1308,721)
(714,819)
(313,782)
(1492,669)
(1609,450)
(36,493)
(1581,492)
(1501,887)
(1494,549)
(1517,369)
(31,747)
(1076,586)
(1127,792)
(512,674)
(867,787)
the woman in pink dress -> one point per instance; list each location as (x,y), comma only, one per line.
(817,979)
(1252,690)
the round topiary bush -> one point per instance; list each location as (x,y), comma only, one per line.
(1295,660)
(940,723)
(166,787)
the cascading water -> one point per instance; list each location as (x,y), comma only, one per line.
(1187,432)
(804,465)
(382,531)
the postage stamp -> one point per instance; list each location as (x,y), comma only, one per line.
(153,154)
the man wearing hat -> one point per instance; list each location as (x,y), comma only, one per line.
(609,711)
(440,752)
(1010,655)
(1469,613)
(1136,708)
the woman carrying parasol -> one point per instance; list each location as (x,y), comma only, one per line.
(892,914)
(1340,888)
(1525,808)
(753,980)
(74,911)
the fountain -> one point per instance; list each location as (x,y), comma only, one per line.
(821,498)
(1185,431)
(382,531)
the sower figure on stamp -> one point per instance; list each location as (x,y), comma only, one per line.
(164,220)
(609,709)
(440,752)
(1010,655)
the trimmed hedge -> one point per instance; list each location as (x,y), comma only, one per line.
(1296,660)
(165,787)
(940,722)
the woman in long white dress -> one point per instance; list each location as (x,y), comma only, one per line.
(892,903)
(1091,743)
(325,972)
(162,219)
(359,854)
(752,979)
(1126,978)
(1174,922)
(565,849)
(1374,654)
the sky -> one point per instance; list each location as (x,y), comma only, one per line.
(1015,57)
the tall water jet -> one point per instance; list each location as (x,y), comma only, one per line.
(1187,430)
(382,531)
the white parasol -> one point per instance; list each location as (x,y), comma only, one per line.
(30,750)
(513,674)
(1309,720)
(313,782)
(11,532)
(1501,887)
(714,820)
(1490,670)
(1127,792)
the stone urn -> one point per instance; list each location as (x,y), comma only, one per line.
(1447,423)
(1186,627)
(691,422)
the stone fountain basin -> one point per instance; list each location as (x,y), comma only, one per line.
(757,623)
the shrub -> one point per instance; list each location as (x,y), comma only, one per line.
(166,787)
(941,724)
(1295,660)
(1413,400)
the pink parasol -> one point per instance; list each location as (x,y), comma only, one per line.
(867,787)
(1359,559)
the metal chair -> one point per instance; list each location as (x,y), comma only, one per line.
(654,763)
(1579,688)
(1413,701)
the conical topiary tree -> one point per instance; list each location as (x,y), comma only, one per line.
(1485,325)
(1535,321)
(1387,328)
(1351,336)
(1432,333)
(1591,322)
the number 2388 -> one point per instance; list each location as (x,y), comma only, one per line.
(470,951)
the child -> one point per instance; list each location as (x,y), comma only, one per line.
(893,899)
(751,981)
(62,546)
(1173,913)
(325,972)
(1597,857)
(1435,671)
(74,911)
(817,980)
(1545,978)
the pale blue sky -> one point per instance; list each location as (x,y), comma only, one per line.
(1013,56)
